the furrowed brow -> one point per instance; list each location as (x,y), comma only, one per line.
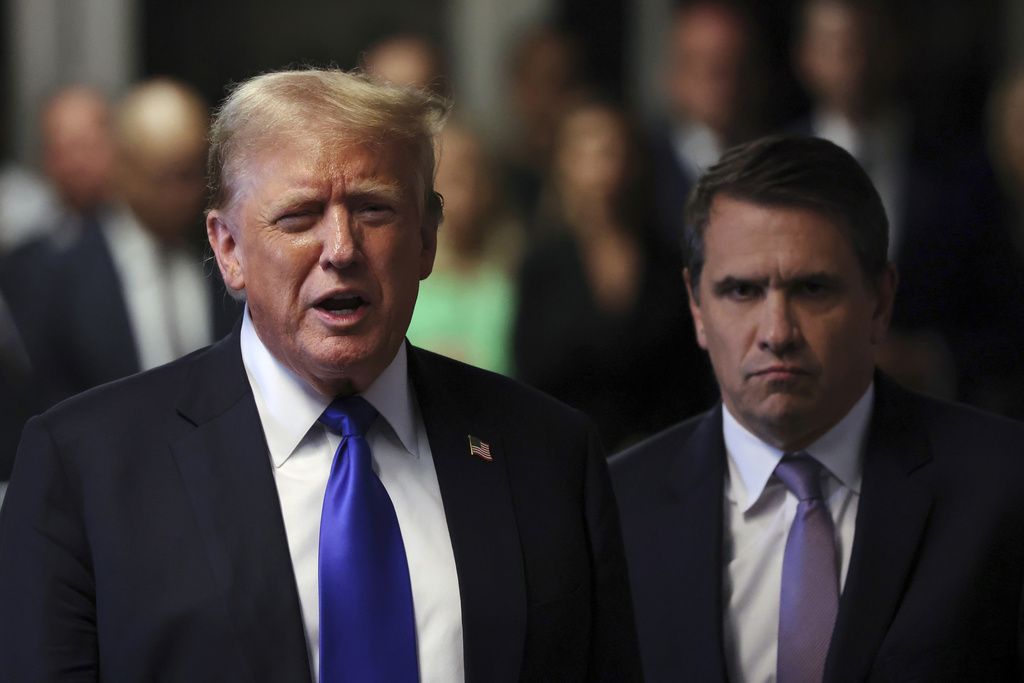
(293,198)
(731,282)
(378,189)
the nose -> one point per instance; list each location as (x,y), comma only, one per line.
(779,330)
(340,241)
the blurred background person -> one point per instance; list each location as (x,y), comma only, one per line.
(958,325)
(602,321)
(465,308)
(16,392)
(27,206)
(711,92)
(407,59)
(544,79)
(847,57)
(1006,145)
(134,293)
(77,162)
(78,157)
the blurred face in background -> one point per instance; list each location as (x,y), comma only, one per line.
(78,150)
(834,58)
(407,60)
(544,83)
(592,155)
(162,148)
(1010,133)
(706,67)
(464,180)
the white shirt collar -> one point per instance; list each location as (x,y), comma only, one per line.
(697,146)
(840,450)
(288,406)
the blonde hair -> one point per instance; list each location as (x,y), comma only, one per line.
(330,103)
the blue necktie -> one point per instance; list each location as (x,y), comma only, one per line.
(810,580)
(367,628)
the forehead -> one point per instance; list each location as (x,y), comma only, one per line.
(744,238)
(324,163)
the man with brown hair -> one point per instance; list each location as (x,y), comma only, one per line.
(822,523)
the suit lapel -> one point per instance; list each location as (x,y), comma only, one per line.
(226,469)
(481,522)
(693,551)
(891,518)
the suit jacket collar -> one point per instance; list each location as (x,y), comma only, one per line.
(478,505)
(695,551)
(891,519)
(225,466)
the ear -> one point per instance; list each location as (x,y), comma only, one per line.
(428,242)
(698,320)
(226,250)
(885,288)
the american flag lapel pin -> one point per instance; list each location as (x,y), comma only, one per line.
(480,449)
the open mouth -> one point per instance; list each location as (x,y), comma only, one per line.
(342,305)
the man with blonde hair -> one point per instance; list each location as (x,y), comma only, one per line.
(312,497)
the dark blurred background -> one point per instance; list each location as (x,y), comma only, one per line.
(577,130)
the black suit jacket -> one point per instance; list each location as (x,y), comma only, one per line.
(142,536)
(933,590)
(87,337)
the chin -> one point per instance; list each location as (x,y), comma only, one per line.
(358,361)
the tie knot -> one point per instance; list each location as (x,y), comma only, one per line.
(801,474)
(348,416)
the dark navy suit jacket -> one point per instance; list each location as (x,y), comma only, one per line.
(87,338)
(142,536)
(934,587)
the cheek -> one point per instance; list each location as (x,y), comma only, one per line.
(279,270)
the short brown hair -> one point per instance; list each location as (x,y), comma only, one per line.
(793,171)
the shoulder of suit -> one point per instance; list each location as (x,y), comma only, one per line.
(946,420)
(490,390)
(953,430)
(134,397)
(654,450)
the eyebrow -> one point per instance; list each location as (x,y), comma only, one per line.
(375,188)
(296,197)
(730,281)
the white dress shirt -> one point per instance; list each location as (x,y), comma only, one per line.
(758,513)
(302,450)
(697,147)
(164,290)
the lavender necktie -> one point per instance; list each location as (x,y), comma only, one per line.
(367,628)
(810,581)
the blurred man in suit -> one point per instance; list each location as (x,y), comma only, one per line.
(78,157)
(709,89)
(957,328)
(313,498)
(132,292)
(821,523)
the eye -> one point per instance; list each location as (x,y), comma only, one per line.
(294,221)
(812,288)
(742,291)
(376,212)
